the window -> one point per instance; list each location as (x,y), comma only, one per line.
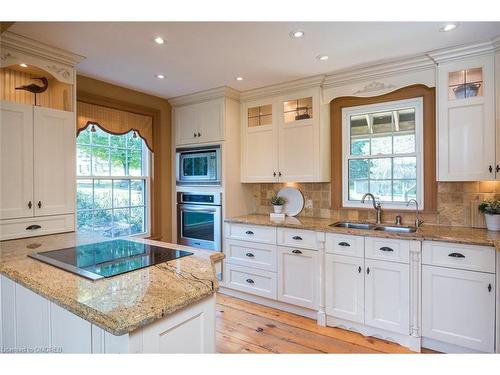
(112,183)
(382,151)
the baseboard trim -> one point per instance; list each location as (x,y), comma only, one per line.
(445,347)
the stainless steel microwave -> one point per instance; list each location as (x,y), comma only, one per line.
(198,166)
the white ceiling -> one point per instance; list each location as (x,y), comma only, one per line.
(202,55)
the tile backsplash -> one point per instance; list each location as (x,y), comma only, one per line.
(457,203)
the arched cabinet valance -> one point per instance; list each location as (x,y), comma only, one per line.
(114,121)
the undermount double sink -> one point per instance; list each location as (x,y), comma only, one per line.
(379,227)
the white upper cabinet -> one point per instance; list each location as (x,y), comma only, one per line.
(54,161)
(466,119)
(284,139)
(16,160)
(199,122)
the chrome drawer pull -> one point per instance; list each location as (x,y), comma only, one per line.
(297,238)
(385,248)
(456,255)
(249,232)
(296,251)
(250,255)
(33,227)
(344,244)
(250,281)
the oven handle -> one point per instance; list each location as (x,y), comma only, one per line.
(198,209)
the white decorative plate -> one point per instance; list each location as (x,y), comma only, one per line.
(294,200)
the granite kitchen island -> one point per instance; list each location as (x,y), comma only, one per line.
(165,308)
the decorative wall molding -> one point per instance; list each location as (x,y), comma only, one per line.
(375,86)
(202,96)
(464,50)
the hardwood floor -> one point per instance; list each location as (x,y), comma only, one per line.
(245,327)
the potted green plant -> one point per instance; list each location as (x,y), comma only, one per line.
(491,211)
(277,203)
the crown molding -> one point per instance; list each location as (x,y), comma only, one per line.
(372,72)
(283,88)
(464,50)
(202,96)
(23,44)
(496,43)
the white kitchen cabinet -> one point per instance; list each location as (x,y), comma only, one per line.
(16,160)
(199,122)
(458,307)
(298,276)
(38,170)
(283,139)
(54,161)
(387,295)
(466,119)
(345,287)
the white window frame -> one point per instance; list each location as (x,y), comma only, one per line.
(416,103)
(147,162)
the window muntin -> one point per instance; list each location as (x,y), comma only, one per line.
(382,153)
(112,183)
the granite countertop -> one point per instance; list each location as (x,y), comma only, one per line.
(119,304)
(472,236)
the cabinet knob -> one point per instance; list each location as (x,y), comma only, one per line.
(491,169)
(497,169)
(30,205)
(195,135)
(33,227)
(456,255)
(279,174)
(368,270)
(297,238)
(250,255)
(296,251)
(199,134)
(250,281)
(489,288)
(359,269)
(39,204)
(344,244)
(274,174)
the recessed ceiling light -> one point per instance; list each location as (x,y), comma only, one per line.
(449,27)
(322,57)
(239,78)
(159,40)
(23,65)
(160,76)
(297,34)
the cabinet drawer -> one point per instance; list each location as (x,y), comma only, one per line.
(251,254)
(345,245)
(251,280)
(305,239)
(254,233)
(454,255)
(39,226)
(387,249)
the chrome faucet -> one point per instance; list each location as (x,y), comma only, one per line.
(418,220)
(376,206)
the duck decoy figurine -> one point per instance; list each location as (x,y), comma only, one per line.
(35,89)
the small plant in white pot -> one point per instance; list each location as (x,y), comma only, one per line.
(277,203)
(491,211)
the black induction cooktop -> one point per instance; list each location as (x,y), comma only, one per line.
(106,259)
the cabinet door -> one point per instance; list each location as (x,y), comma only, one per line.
(16,160)
(185,125)
(55,162)
(458,307)
(344,287)
(259,158)
(298,276)
(70,332)
(387,289)
(32,319)
(299,146)
(210,121)
(466,147)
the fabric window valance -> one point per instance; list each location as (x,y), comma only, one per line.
(114,121)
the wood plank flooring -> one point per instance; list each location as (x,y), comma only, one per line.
(245,327)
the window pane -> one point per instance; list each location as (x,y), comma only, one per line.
(405,190)
(83,160)
(103,222)
(382,123)
(100,161)
(84,219)
(137,220)
(102,194)
(380,169)
(100,137)
(118,140)
(382,189)
(84,196)
(358,178)
(84,137)
(359,125)
(381,145)
(118,162)
(134,163)
(121,226)
(405,167)
(357,188)
(134,142)
(121,193)
(404,144)
(360,146)
(137,192)
(405,120)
